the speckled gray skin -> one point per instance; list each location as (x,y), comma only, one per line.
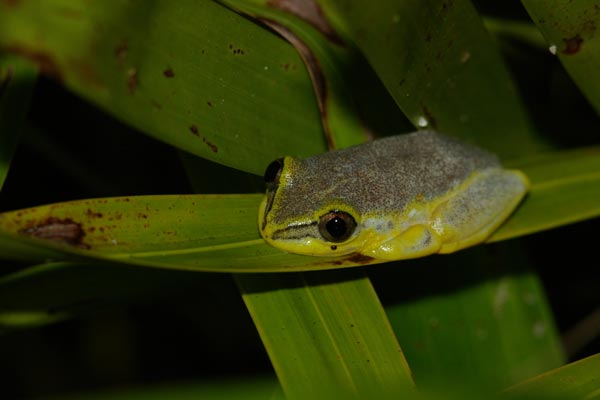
(383,175)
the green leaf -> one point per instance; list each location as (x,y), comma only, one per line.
(353,103)
(52,292)
(326,334)
(475,318)
(522,31)
(570,30)
(442,68)
(176,74)
(198,231)
(17,80)
(565,188)
(578,380)
(204,232)
(259,387)
(173,231)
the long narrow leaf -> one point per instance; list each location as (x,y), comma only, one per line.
(354,105)
(565,189)
(477,316)
(442,68)
(219,232)
(570,32)
(258,388)
(51,292)
(326,334)
(578,380)
(17,79)
(197,75)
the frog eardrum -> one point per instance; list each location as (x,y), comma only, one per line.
(394,198)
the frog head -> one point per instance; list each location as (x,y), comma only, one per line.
(313,207)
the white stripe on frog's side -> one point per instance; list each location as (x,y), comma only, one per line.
(396,223)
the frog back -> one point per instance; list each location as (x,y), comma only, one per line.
(381,176)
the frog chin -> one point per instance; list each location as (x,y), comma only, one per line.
(310,246)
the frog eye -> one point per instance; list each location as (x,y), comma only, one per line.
(273,172)
(336,226)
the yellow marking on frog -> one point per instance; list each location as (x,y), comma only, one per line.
(396,198)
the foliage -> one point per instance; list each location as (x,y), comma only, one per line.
(241,82)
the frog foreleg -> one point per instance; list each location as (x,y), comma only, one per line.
(417,241)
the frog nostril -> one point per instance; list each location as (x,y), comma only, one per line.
(273,172)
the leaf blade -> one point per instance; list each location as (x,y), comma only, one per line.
(139,230)
(175,79)
(564,187)
(570,31)
(442,68)
(329,330)
(17,80)
(478,314)
(577,380)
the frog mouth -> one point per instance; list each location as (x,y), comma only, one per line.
(296,231)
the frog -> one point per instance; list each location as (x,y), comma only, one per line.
(393,198)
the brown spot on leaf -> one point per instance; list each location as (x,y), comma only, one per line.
(132,80)
(59,230)
(194,130)
(169,72)
(236,51)
(446,5)
(87,73)
(69,13)
(572,45)
(92,214)
(121,52)
(310,12)
(11,3)
(465,56)
(213,147)
(209,103)
(44,61)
